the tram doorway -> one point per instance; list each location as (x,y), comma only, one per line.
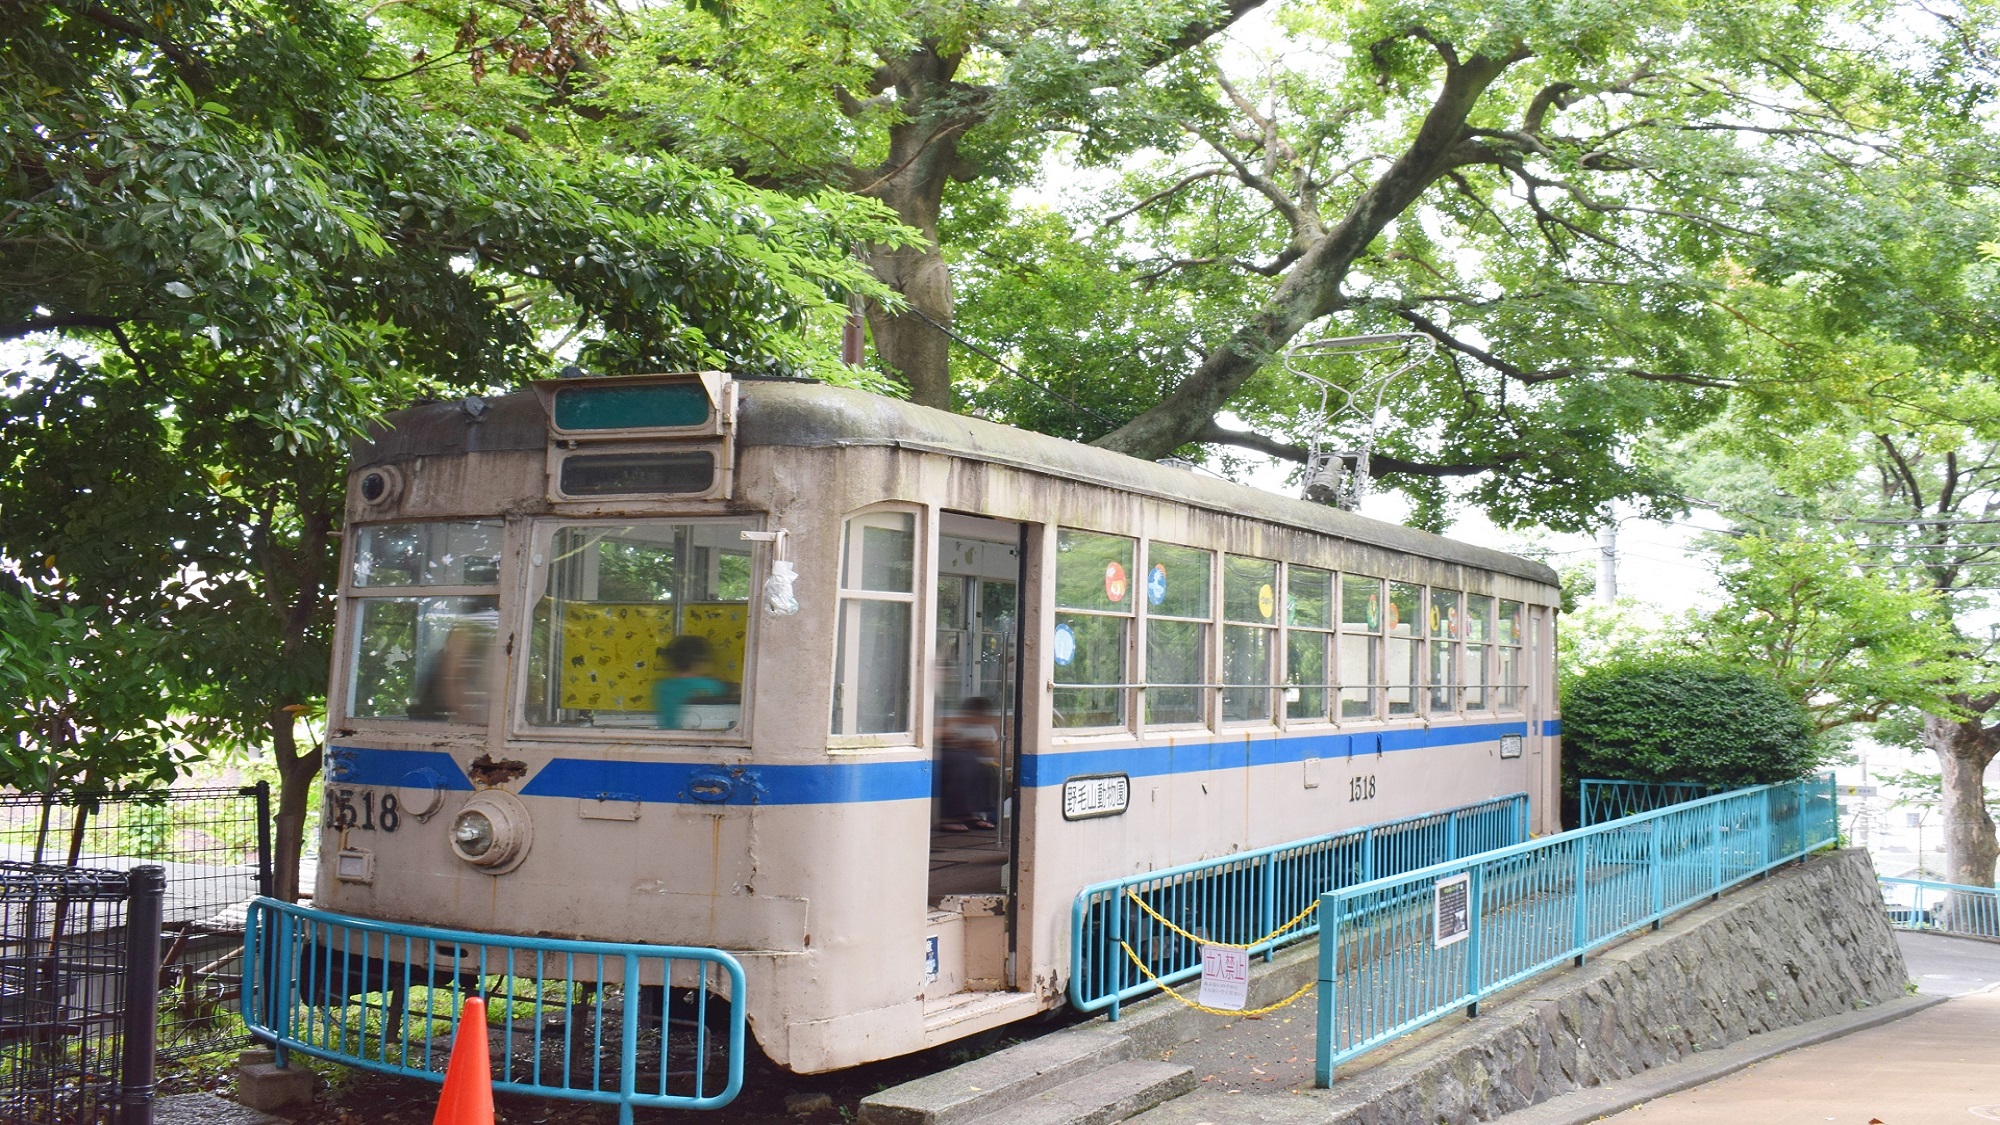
(975,661)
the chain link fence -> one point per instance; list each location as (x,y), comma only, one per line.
(214,844)
(78,981)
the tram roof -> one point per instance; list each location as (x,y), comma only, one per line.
(811,415)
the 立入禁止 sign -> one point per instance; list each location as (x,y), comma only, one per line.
(1225,977)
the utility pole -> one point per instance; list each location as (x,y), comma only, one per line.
(1607,564)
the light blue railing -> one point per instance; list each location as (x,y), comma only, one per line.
(566,1019)
(1947,908)
(1123,939)
(1386,966)
(1599,801)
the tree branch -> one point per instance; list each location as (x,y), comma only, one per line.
(56,323)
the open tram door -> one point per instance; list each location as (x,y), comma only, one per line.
(976,658)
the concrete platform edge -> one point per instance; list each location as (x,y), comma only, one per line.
(1706,1066)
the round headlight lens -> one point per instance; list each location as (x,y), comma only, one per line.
(472,833)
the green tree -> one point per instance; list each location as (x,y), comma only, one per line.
(1850,640)
(884,99)
(1584,208)
(1872,574)
(249,251)
(87,705)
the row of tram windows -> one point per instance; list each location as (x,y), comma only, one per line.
(644,624)
(1177,626)
(640,624)
(1180,636)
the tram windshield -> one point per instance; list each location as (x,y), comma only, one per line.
(641,624)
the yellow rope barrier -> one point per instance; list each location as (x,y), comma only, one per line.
(1156,916)
(1200,1007)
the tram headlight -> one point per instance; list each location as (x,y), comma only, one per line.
(472,834)
(492,832)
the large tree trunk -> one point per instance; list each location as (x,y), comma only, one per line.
(910,343)
(923,155)
(1964,748)
(297,774)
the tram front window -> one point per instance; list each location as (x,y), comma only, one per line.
(642,625)
(424,604)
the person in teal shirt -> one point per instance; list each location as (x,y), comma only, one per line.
(689,658)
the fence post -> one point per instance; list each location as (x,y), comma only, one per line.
(1329,962)
(1367,856)
(266,878)
(145,889)
(1581,931)
(1115,952)
(1270,904)
(1475,893)
(1800,791)
(1659,876)
(1450,836)
(1764,831)
(1714,814)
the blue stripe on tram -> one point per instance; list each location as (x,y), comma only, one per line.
(839,783)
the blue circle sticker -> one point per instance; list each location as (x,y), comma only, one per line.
(1156,584)
(1065,645)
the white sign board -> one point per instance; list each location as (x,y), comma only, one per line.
(1225,978)
(1451,902)
(1100,795)
(1510,746)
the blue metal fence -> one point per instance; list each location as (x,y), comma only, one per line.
(628,1025)
(1128,936)
(1947,908)
(1599,801)
(1399,952)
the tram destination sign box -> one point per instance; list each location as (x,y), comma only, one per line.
(1104,794)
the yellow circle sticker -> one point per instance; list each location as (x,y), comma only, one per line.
(1266,600)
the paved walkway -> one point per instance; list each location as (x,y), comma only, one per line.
(1939,1065)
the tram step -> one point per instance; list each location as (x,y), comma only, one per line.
(987,1088)
(1100,1098)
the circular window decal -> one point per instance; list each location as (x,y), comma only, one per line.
(1114,581)
(1156,584)
(1065,645)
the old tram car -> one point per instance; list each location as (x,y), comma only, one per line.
(1156,668)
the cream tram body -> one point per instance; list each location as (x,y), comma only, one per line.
(516,568)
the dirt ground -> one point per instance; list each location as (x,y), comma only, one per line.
(770,1096)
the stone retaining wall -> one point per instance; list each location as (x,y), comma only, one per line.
(1809,942)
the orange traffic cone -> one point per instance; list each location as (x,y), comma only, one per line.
(468,1078)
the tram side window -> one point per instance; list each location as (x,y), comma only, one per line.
(1360,646)
(1478,642)
(1249,637)
(871,671)
(1404,626)
(1507,656)
(1308,625)
(641,625)
(1094,599)
(1446,627)
(1178,611)
(424,610)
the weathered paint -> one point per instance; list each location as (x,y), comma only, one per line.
(813,870)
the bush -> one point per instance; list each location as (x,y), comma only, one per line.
(1680,719)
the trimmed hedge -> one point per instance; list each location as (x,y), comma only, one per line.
(1681,719)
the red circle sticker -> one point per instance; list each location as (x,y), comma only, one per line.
(1114,581)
